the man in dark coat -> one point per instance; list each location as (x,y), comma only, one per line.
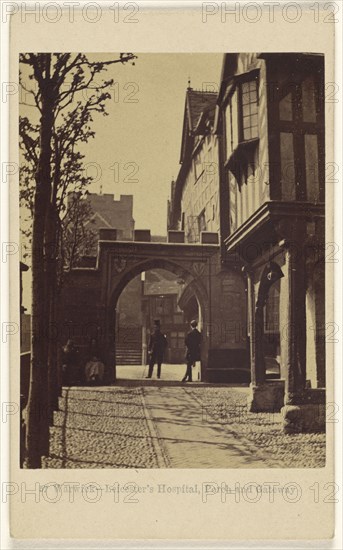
(193,343)
(156,349)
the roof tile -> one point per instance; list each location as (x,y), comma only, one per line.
(199,101)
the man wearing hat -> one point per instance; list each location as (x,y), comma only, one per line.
(156,349)
(193,342)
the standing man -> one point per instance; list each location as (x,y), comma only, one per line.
(156,349)
(193,343)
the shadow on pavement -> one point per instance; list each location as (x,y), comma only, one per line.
(175,383)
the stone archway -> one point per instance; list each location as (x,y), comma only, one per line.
(90,294)
(193,285)
(157,263)
(120,261)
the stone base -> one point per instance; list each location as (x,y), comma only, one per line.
(303,418)
(267,397)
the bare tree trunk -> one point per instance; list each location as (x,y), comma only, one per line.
(59,318)
(37,435)
(53,239)
(54,390)
(44,397)
(53,328)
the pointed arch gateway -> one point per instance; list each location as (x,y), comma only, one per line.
(91,294)
(178,267)
(194,287)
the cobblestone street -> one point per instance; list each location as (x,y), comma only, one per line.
(166,424)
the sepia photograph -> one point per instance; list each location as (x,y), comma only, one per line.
(172,270)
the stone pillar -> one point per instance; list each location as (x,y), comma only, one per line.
(295,357)
(304,409)
(260,367)
(311,332)
(319,292)
(264,395)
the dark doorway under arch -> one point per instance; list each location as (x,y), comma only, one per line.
(156,305)
(264,350)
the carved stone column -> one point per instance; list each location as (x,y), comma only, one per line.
(296,325)
(259,367)
(304,408)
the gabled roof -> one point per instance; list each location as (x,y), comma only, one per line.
(112,212)
(197,102)
(101,218)
(160,282)
(199,113)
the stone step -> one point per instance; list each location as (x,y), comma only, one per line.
(122,357)
(129,345)
(129,352)
(132,355)
(127,361)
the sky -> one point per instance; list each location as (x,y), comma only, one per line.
(136,149)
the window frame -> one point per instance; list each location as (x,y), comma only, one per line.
(241,138)
(299,128)
(236,86)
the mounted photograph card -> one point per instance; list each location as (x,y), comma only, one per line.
(172,280)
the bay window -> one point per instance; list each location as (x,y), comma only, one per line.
(249,110)
(301,132)
(241,113)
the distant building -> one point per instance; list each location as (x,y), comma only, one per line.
(141,301)
(87,217)
(111,213)
(106,213)
(194,204)
(198,205)
(160,301)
